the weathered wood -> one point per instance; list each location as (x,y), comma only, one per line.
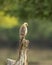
(10,61)
(23,59)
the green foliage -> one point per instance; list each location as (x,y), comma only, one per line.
(7,21)
(38,13)
(29,8)
(40,29)
(8,27)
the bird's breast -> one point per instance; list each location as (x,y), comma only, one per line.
(26,31)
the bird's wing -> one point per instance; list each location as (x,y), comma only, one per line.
(22,30)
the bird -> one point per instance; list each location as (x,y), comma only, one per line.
(23,31)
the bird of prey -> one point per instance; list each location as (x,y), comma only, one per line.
(23,31)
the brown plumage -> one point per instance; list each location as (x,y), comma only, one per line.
(23,31)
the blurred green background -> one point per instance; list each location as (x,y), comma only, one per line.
(38,14)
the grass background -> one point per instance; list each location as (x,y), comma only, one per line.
(35,56)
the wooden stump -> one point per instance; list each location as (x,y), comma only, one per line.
(10,61)
(23,59)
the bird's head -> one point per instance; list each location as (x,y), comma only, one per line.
(26,24)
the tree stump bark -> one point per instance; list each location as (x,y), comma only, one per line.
(23,59)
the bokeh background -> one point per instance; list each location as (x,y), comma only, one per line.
(38,14)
